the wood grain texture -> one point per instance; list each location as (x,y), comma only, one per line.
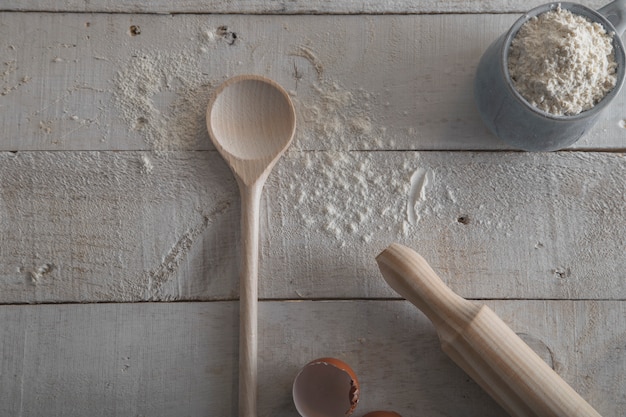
(283,7)
(89,82)
(493,225)
(111,195)
(481,344)
(160,359)
(85,225)
(133,226)
(251,121)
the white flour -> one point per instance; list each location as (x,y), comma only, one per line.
(340,119)
(347,196)
(163,97)
(343,192)
(562,63)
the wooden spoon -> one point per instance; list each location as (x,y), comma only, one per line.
(251,121)
(479,342)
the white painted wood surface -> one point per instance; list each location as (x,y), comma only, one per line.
(164,359)
(134,226)
(84,82)
(283,6)
(113,200)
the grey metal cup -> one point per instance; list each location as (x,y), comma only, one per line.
(515,121)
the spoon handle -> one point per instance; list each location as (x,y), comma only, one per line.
(248,297)
(481,343)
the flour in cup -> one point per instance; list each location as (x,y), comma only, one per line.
(562,63)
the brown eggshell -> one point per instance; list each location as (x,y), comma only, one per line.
(382,414)
(326,387)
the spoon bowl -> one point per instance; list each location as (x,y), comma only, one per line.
(251,121)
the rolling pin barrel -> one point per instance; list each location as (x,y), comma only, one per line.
(477,340)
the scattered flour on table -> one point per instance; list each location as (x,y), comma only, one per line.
(8,77)
(307,53)
(146,164)
(562,63)
(348,196)
(344,191)
(340,118)
(163,97)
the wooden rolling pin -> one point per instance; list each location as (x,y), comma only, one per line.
(481,343)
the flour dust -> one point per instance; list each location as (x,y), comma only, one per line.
(338,118)
(162,96)
(345,191)
(347,196)
(342,190)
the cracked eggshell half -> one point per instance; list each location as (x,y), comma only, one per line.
(326,387)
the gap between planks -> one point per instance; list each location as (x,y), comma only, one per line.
(326,299)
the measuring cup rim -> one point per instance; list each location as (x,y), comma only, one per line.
(594,16)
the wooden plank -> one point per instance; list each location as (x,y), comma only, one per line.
(131,226)
(160,359)
(283,7)
(503,225)
(115,360)
(142,82)
(83,226)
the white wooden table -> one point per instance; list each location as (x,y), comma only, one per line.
(119,222)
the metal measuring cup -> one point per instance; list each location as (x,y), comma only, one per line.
(515,121)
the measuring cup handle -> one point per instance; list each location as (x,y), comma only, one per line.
(615,12)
